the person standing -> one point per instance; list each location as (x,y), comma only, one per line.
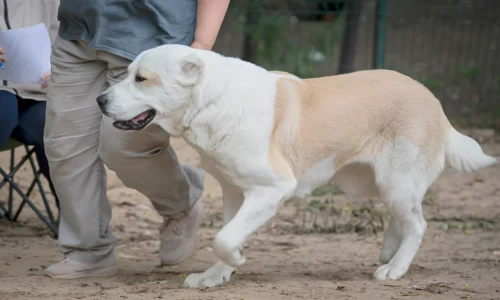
(96,43)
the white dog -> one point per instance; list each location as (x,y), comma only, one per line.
(267,136)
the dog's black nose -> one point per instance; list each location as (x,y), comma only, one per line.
(102,99)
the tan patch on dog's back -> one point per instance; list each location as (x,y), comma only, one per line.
(286,124)
(348,115)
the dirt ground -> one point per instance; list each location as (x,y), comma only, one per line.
(300,254)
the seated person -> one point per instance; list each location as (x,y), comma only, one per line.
(22,107)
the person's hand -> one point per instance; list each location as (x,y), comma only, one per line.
(45,79)
(3,56)
(198,45)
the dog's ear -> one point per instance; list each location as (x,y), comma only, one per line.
(192,67)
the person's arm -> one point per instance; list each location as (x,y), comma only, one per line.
(209,17)
(3,55)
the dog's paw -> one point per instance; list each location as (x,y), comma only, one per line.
(388,272)
(217,275)
(204,280)
(230,254)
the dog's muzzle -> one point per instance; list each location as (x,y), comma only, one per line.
(138,122)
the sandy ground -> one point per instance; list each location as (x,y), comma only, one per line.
(300,254)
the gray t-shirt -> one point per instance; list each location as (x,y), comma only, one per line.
(128,27)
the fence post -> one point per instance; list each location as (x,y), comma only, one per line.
(348,51)
(380,25)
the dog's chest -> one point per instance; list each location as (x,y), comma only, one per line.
(213,168)
(207,162)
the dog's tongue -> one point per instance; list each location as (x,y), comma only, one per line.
(141,117)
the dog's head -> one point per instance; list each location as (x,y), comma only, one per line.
(160,82)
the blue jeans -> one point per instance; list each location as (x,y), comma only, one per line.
(24,120)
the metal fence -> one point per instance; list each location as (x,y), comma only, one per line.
(451,46)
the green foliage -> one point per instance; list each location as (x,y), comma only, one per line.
(495,111)
(468,72)
(279,42)
(466,224)
(322,215)
(459,122)
(431,83)
(326,190)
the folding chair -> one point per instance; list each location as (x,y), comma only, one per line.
(10,212)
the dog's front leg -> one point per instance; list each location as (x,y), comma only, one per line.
(259,206)
(220,272)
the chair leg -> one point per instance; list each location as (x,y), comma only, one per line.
(49,220)
(11,190)
(53,191)
(15,169)
(21,206)
(3,210)
(30,203)
(37,173)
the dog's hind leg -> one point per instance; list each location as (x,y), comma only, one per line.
(403,195)
(259,206)
(392,240)
(220,272)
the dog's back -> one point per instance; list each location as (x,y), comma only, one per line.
(352,115)
(355,118)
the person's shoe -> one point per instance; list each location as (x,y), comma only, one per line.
(69,268)
(178,235)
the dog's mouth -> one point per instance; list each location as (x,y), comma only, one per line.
(138,122)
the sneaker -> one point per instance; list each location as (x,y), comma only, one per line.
(69,268)
(178,235)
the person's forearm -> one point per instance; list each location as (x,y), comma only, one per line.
(209,19)
(3,56)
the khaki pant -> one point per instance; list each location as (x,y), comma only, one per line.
(78,139)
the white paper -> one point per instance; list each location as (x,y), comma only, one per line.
(28,54)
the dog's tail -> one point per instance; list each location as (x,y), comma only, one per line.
(464,154)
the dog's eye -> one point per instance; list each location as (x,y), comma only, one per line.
(139,78)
